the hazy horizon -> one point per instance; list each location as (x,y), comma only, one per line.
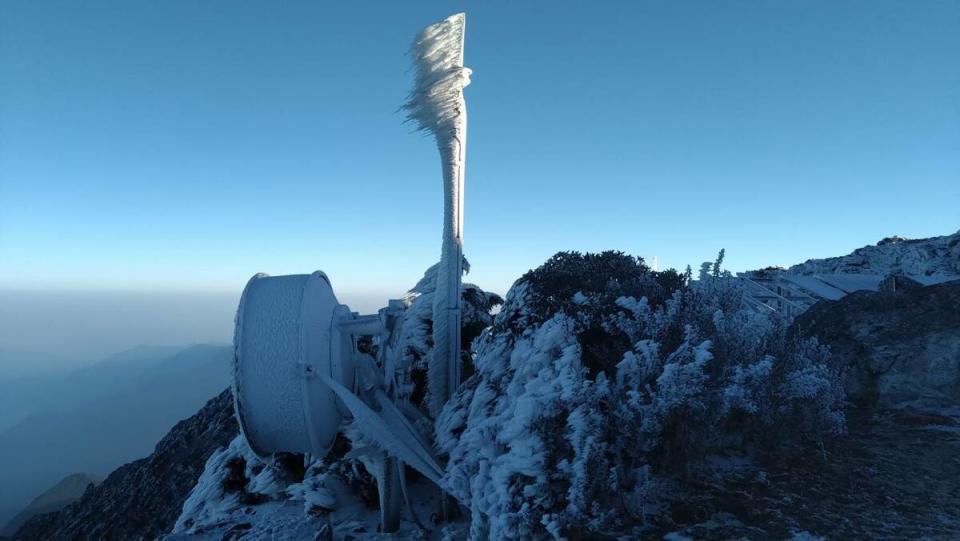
(91,324)
(77,327)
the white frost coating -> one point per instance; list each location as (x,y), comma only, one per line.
(286,510)
(208,502)
(437,106)
(436,102)
(397,439)
(284,326)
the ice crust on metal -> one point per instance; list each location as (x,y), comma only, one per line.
(437,106)
(283,341)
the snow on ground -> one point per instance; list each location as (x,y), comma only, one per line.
(240,495)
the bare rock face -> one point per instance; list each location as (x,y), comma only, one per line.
(901,345)
(141,500)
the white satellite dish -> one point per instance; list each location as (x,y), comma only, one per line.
(297,371)
(285,337)
(298,375)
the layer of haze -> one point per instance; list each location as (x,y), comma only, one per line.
(153,149)
(81,327)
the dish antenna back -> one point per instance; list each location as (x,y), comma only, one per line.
(286,336)
(298,372)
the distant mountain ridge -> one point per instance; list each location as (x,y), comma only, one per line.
(923,257)
(15,363)
(67,491)
(106,415)
(28,391)
(142,499)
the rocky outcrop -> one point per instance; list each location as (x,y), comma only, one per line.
(900,345)
(918,257)
(142,500)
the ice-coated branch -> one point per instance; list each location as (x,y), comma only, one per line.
(437,106)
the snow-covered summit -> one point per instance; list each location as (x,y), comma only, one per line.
(793,290)
(603,398)
(893,255)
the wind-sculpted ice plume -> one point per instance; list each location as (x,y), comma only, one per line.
(436,105)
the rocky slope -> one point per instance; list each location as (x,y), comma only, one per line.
(70,489)
(141,500)
(901,346)
(106,414)
(923,257)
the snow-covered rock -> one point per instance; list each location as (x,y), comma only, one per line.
(331,498)
(893,255)
(891,262)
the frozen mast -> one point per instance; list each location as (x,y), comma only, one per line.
(298,370)
(436,104)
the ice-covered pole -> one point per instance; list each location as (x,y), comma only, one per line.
(436,105)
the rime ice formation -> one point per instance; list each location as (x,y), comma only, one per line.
(299,370)
(283,320)
(601,382)
(608,402)
(240,494)
(437,107)
(278,500)
(304,362)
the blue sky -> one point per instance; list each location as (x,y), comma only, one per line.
(184,145)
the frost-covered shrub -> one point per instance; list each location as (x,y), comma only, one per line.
(602,381)
(415,336)
(585,287)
